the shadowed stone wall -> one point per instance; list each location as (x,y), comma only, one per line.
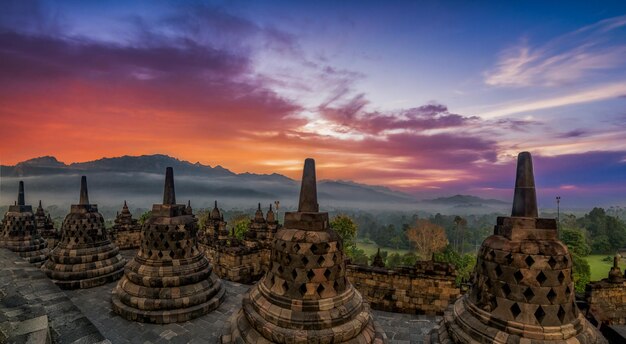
(238,264)
(426,288)
(607,298)
(126,240)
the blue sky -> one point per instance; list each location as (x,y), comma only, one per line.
(426,97)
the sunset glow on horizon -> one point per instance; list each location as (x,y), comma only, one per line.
(427,98)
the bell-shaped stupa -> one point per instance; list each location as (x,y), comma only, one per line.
(305,297)
(522,288)
(124,220)
(19,231)
(84,257)
(170,279)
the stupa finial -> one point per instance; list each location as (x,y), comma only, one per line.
(84,194)
(525,199)
(308,190)
(169,194)
(20,194)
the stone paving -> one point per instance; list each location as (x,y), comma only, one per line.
(95,305)
(30,303)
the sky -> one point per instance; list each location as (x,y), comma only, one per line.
(430,98)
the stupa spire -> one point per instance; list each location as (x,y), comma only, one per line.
(84,194)
(525,199)
(169,194)
(308,190)
(20,194)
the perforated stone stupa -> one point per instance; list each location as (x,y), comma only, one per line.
(305,296)
(19,231)
(84,257)
(215,229)
(124,220)
(522,289)
(261,230)
(170,279)
(45,226)
(126,231)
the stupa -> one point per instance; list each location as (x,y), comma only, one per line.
(124,220)
(170,279)
(126,231)
(84,257)
(522,290)
(215,227)
(260,230)
(378,261)
(305,297)
(45,227)
(19,231)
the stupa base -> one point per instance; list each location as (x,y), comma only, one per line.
(241,331)
(216,294)
(464,323)
(33,251)
(89,282)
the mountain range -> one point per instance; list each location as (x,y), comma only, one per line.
(139,179)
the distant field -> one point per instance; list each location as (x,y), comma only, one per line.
(370,249)
(599,268)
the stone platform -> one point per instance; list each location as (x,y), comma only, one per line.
(85,315)
(35,310)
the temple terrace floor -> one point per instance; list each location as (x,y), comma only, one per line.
(95,306)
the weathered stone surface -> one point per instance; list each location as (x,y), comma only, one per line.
(244,261)
(305,296)
(34,310)
(170,279)
(237,262)
(126,231)
(261,231)
(84,257)
(522,288)
(607,298)
(214,230)
(400,328)
(19,232)
(426,288)
(45,227)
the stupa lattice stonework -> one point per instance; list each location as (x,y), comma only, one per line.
(45,226)
(170,279)
(84,257)
(522,289)
(305,296)
(19,231)
(126,231)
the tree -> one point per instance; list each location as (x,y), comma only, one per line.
(460,224)
(144,217)
(241,224)
(608,233)
(393,260)
(464,264)
(409,259)
(581,273)
(575,241)
(427,238)
(358,256)
(203,217)
(345,226)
